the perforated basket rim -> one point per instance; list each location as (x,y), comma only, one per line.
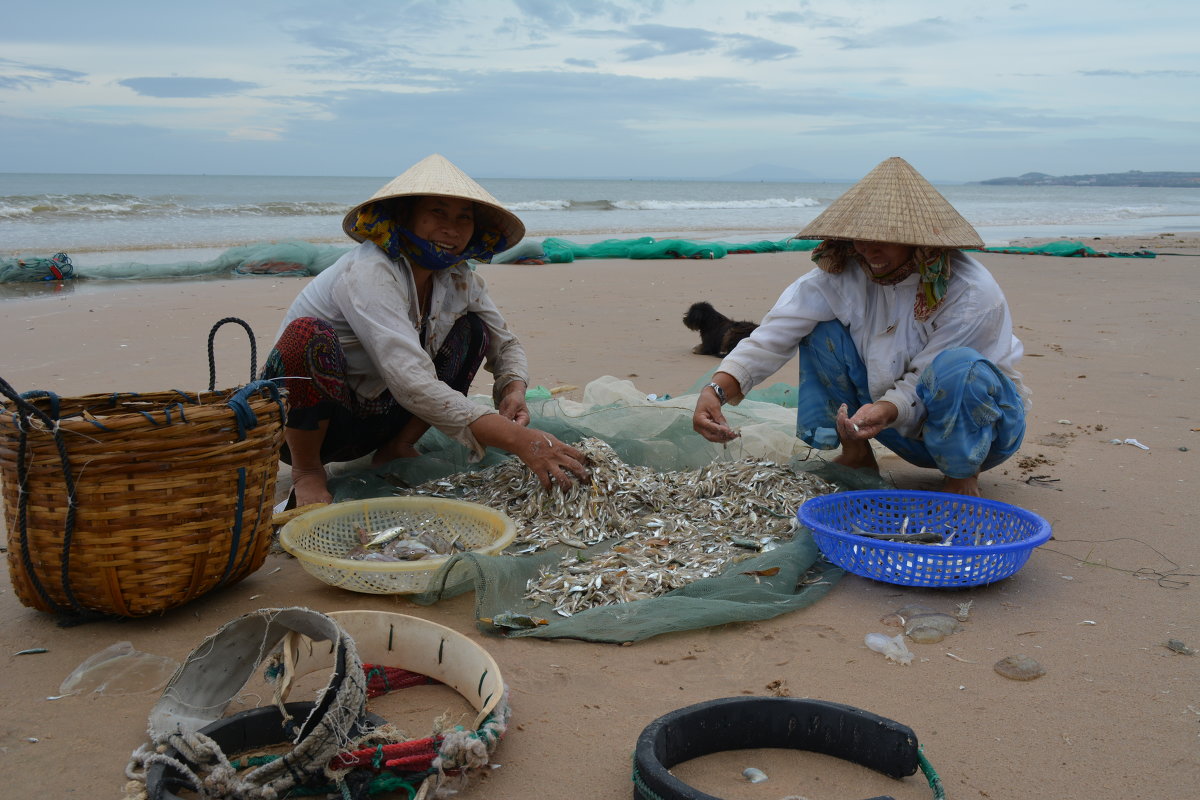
(807,509)
(293,528)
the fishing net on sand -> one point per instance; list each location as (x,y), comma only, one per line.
(559,251)
(300,258)
(674,533)
(30,269)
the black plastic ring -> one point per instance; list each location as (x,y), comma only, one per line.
(741,723)
(247,730)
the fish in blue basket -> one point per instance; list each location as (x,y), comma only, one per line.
(921,537)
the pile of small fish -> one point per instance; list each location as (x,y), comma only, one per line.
(672,528)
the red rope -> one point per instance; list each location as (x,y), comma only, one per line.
(412,756)
(381,680)
(416,755)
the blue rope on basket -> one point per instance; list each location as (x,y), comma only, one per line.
(984,541)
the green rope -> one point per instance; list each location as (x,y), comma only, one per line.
(935,783)
(644,791)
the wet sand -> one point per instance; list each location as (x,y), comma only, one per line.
(1110,354)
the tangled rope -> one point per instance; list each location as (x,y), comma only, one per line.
(340,748)
(192,703)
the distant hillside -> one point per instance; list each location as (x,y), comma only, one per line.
(1131,178)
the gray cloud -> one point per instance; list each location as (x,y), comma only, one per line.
(580,62)
(17,75)
(667,40)
(806,18)
(754,48)
(186,87)
(556,12)
(1147,73)
(915,34)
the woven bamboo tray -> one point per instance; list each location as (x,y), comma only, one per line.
(173,494)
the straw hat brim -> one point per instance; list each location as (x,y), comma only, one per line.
(894,204)
(436,176)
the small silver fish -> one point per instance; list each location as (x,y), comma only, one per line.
(384,536)
(409,550)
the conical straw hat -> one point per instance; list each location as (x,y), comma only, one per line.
(435,175)
(893,203)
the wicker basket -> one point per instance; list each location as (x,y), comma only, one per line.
(173,495)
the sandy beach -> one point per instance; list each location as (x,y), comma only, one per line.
(1111,348)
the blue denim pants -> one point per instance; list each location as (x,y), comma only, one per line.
(974,416)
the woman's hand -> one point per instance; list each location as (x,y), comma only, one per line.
(551,460)
(554,462)
(707,419)
(867,423)
(512,404)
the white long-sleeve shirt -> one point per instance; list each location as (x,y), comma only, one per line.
(371,302)
(893,344)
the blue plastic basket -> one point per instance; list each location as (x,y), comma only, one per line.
(989,540)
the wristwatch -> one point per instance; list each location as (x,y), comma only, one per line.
(716,387)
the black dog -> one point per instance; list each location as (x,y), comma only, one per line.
(718,333)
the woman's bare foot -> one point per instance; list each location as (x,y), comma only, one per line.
(310,486)
(968,486)
(393,450)
(857,455)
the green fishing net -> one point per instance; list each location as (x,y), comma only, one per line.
(304,258)
(1066,249)
(31,269)
(560,251)
(645,430)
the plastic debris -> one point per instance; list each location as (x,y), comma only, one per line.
(892,647)
(119,669)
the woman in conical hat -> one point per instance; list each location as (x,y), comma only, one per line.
(902,338)
(385,342)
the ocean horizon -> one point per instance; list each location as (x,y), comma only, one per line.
(99,218)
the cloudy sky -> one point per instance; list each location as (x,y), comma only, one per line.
(964,90)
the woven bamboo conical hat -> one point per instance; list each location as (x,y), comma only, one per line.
(893,203)
(435,175)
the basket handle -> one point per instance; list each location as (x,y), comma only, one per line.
(239,404)
(23,410)
(212,364)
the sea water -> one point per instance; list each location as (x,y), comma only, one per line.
(102,218)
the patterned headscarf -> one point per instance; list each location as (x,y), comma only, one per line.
(933,263)
(397,241)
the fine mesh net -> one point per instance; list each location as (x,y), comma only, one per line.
(651,433)
(299,258)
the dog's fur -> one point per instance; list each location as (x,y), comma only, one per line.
(718,333)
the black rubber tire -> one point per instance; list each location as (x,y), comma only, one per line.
(246,730)
(740,723)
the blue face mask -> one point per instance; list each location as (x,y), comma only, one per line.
(398,241)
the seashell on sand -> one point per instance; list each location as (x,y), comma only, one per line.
(1019,668)
(754,775)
